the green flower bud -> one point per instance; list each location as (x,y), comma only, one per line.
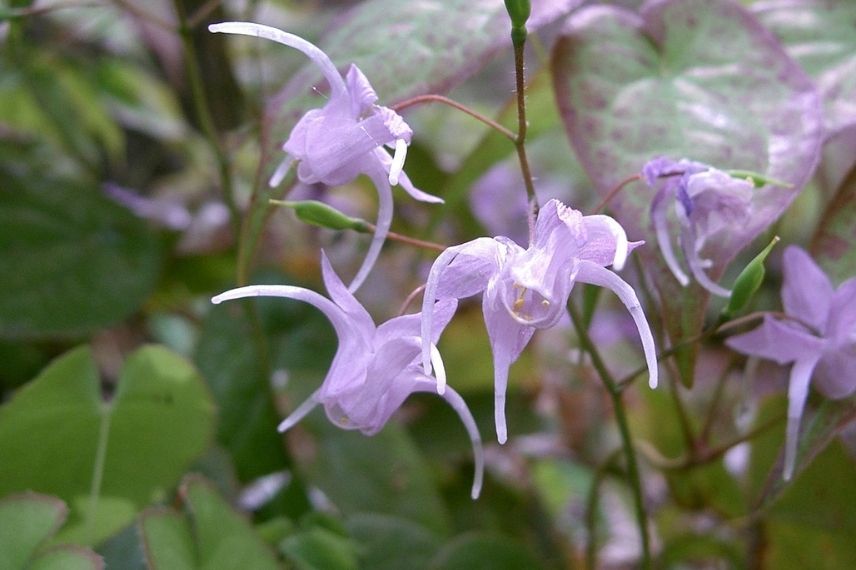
(757,180)
(322,215)
(518,11)
(748,282)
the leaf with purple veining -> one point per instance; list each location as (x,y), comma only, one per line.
(410,48)
(690,78)
(834,241)
(821,36)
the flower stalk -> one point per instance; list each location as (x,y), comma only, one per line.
(633,478)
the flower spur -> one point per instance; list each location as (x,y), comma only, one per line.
(375,368)
(333,145)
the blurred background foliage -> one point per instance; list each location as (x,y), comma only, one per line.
(138,421)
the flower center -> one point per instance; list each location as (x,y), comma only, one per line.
(528,306)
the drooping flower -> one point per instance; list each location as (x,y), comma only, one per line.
(375,368)
(333,145)
(707,202)
(527,289)
(819,339)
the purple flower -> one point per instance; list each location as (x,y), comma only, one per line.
(375,367)
(707,202)
(345,138)
(527,289)
(819,339)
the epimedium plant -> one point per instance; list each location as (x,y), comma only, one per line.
(650,148)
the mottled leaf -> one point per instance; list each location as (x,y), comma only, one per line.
(410,48)
(690,78)
(695,79)
(821,36)
(834,242)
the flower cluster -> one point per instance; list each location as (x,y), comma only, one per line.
(377,367)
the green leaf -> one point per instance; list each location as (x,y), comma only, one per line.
(161,418)
(26,522)
(319,549)
(224,538)
(834,243)
(212,536)
(67,558)
(818,431)
(390,543)
(819,35)
(168,540)
(74,261)
(483,551)
(385,473)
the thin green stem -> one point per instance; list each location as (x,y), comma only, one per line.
(592,501)
(633,478)
(431,98)
(519,42)
(98,470)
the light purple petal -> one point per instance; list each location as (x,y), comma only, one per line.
(410,325)
(337,85)
(606,242)
(597,275)
(797,394)
(334,313)
(384,220)
(780,341)
(690,247)
(841,326)
(665,171)
(460,407)
(345,299)
(363,96)
(659,212)
(460,271)
(806,292)
(835,375)
(298,414)
(508,338)
(719,202)
(337,149)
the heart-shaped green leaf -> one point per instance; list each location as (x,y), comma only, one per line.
(27,521)
(211,537)
(106,459)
